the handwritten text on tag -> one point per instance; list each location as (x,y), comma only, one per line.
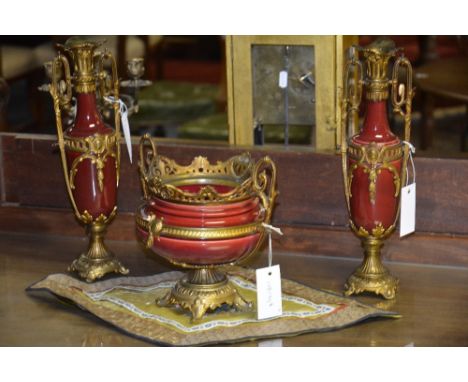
(269,301)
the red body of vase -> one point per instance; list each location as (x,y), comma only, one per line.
(374,187)
(89,194)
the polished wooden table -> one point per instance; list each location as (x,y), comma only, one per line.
(433,300)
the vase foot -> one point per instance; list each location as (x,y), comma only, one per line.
(383,284)
(97,261)
(91,269)
(202,290)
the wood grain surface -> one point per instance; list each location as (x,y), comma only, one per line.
(433,301)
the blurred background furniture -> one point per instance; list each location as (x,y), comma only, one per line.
(196,59)
(125,47)
(447,78)
(21,65)
(188,96)
(189,83)
(214,127)
(21,59)
(164,105)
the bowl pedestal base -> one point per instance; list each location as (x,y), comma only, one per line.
(204,289)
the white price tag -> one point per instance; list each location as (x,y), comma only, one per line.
(126,131)
(408,210)
(269,301)
(283,79)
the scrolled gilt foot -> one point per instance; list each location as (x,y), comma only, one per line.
(389,290)
(198,309)
(242,304)
(164,301)
(91,270)
(384,285)
(349,289)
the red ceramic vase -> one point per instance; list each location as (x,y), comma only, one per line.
(373,200)
(99,167)
(374,159)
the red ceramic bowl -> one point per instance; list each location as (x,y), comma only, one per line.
(212,210)
(202,252)
(247,212)
(203,222)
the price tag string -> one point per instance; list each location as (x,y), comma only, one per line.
(286,98)
(125,125)
(269,229)
(412,150)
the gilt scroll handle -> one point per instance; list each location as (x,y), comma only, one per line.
(155,226)
(106,55)
(402,98)
(264,185)
(59,101)
(350,103)
(147,152)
